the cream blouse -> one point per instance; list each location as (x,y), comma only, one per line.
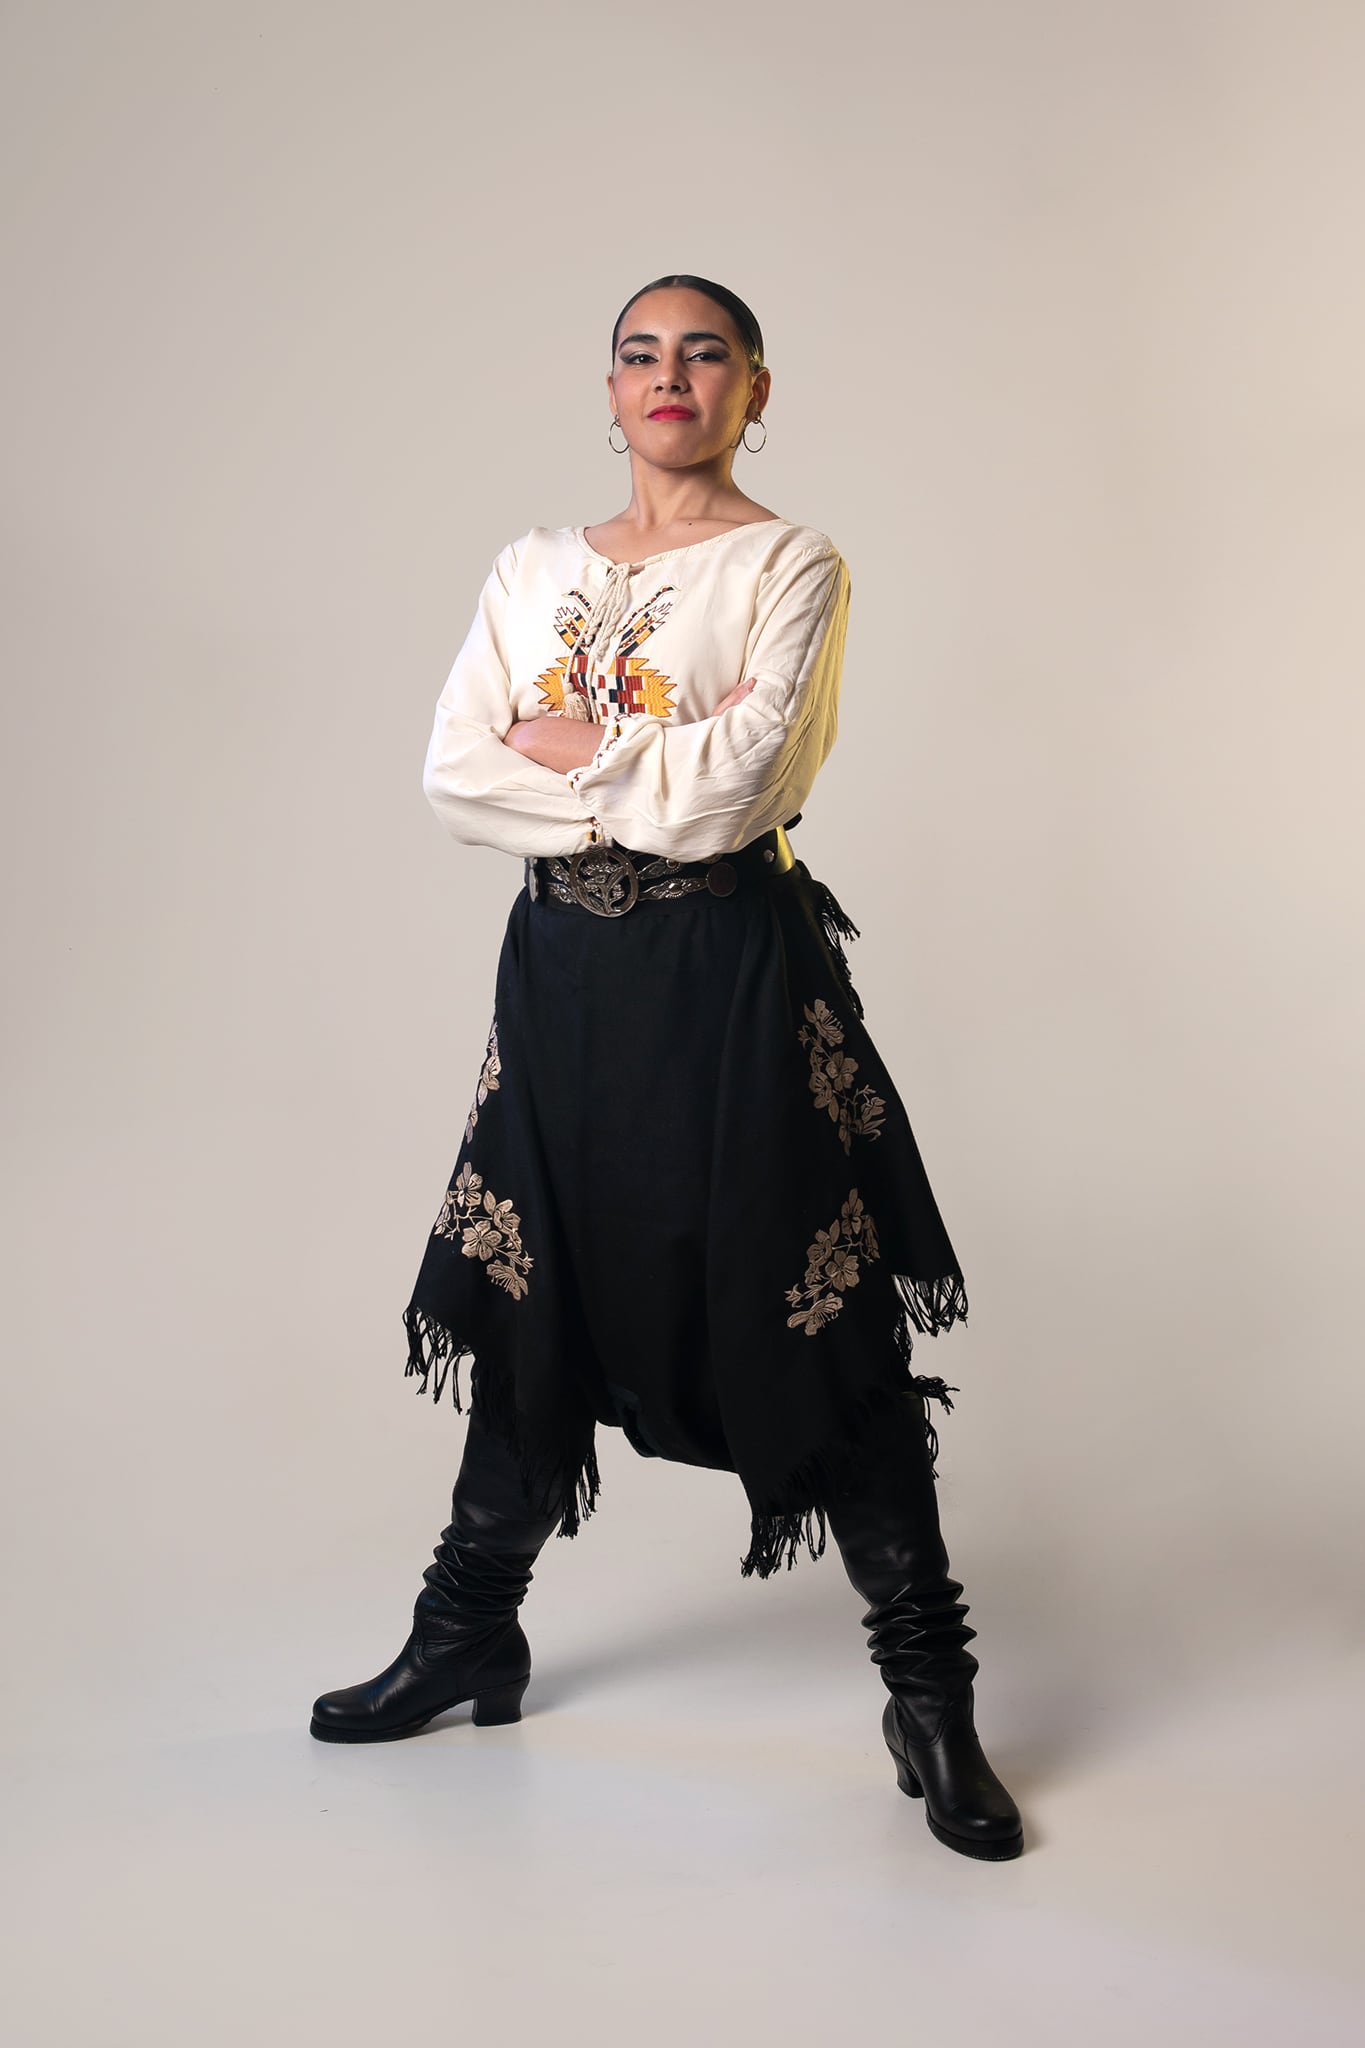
(646,649)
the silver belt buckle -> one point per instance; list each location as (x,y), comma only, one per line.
(600,878)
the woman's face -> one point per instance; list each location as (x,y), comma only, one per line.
(679,350)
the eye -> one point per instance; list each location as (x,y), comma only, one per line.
(710,355)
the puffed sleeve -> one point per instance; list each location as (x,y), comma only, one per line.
(713,784)
(486,794)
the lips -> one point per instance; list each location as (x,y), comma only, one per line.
(672,412)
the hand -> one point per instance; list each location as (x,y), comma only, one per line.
(524,735)
(735,696)
(559,743)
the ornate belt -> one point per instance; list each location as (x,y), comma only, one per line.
(610,880)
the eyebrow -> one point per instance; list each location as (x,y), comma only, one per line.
(699,334)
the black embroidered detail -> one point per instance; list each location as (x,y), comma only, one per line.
(488,1079)
(488,1230)
(930,1306)
(832,1266)
(857,1112)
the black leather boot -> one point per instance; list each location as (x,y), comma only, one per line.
(886,1525)
(467,1641)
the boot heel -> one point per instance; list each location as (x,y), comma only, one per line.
(907,1780)
(501,1703)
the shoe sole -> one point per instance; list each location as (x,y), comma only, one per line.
(495,1708)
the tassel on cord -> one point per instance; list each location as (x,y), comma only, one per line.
(546,1480)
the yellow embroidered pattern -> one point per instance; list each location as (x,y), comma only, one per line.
(490,1230)
(488,1079)
(832,1266)
(595,682)
(857,1112)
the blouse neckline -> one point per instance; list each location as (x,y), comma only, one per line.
(664,554)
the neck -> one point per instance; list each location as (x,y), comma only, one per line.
(667,498)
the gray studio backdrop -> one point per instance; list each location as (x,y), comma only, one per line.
(310,312)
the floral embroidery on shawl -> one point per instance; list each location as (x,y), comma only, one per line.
(488,1079)
(858,1113)
(490,1230)
(832,1266)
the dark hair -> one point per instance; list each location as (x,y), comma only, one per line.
(750,334)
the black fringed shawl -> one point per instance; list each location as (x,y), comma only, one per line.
(689,1201)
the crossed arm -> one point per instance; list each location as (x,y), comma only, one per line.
(565,743)
(553,784)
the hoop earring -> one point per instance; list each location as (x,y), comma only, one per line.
(756,421)
(616,422)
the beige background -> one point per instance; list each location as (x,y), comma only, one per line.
(309,312)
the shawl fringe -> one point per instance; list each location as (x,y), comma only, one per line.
(837,926)
(778,1539)
(932,1305)
(435,1357)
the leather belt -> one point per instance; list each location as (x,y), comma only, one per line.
(610,880)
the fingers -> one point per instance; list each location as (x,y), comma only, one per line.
(736,696)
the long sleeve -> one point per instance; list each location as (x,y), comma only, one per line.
(484,793)
(712,784)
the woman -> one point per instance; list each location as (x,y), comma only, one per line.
(689,1203)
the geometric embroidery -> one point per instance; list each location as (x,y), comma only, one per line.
(832,1266)
(831,1078)
(488,1078)
(607,683)
(494,1234)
